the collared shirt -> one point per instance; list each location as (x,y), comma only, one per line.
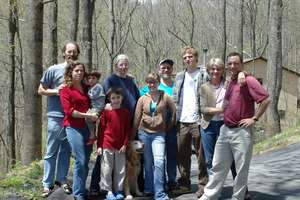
(240,101)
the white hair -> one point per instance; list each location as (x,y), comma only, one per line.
(121,57)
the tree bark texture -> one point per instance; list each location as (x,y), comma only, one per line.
(74,16)
(87,34)
(52,31)
(274,75)
(33,52)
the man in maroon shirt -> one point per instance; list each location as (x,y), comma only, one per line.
(236,139)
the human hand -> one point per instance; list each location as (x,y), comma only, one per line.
(122,149)
(99,151)
(241,79)
(59,88)
(92,116)
(108,106)
(247,122)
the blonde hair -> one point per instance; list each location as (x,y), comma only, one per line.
(191,50)
(121,57)
(218,62)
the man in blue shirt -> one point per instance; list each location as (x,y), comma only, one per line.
(57,158)
(165,70)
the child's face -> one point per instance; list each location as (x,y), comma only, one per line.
(116,100)
(92,80)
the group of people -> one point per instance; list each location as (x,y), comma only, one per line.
(198,108)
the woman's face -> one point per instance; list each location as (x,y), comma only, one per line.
(216,72)
(153,85)
(122,67)
(78,73)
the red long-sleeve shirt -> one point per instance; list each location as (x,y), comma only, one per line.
(115,128)
(73,99)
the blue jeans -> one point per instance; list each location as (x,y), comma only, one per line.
(95,178)
(77,138)
(58,153)
(209,138)
(171,148)
(154,161)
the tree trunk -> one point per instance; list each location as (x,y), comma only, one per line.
(12,26)
(223,31)
(240,36)
(111,36)
(33,49)
(274,75)
(74,16)
(52,30)
(87,34)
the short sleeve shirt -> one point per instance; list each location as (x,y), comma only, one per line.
(52,78)
(240,100)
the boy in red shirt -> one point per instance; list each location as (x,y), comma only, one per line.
(115,128)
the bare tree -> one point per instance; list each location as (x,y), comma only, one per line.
(274,75)
(88,7)
(74,16)
(223,30)
(240,27)
(52,32)
(33,52)
(12,26)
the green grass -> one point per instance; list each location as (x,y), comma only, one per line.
(23,181)
(26,181)
(288,136)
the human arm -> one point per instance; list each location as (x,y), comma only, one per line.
(172,108)
(137,117)
(262,107)
(45,90)
(66,99)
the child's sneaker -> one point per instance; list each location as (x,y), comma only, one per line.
(119,195)
(110,196)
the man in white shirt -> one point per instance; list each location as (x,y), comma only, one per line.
(186,98)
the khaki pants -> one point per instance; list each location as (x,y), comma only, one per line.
(233,144)
(188,134)
(112,170)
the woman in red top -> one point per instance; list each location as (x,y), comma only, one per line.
(75,103)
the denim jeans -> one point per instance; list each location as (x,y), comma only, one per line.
(58,153)
(154,160)
(77,138)
(95,178)
(171,149)
(209,138)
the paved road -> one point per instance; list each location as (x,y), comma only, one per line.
(273,176)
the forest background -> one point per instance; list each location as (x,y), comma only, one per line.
(32,33)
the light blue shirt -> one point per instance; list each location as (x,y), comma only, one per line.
(52,78)
(167,89)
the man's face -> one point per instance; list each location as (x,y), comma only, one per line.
(71,52)
(234,65)
(122,67)
(165,70)
(189,60)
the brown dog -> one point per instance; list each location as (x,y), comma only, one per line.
(133,167)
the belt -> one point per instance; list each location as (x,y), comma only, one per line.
(233,125)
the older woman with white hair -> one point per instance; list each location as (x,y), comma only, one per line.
(119,79)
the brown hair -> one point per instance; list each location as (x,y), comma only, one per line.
(69,69)
(94,73)
(235,54)
(152,76)
(114,90)
(191,50)
(65,47)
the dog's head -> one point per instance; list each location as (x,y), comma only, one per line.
(136,146)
